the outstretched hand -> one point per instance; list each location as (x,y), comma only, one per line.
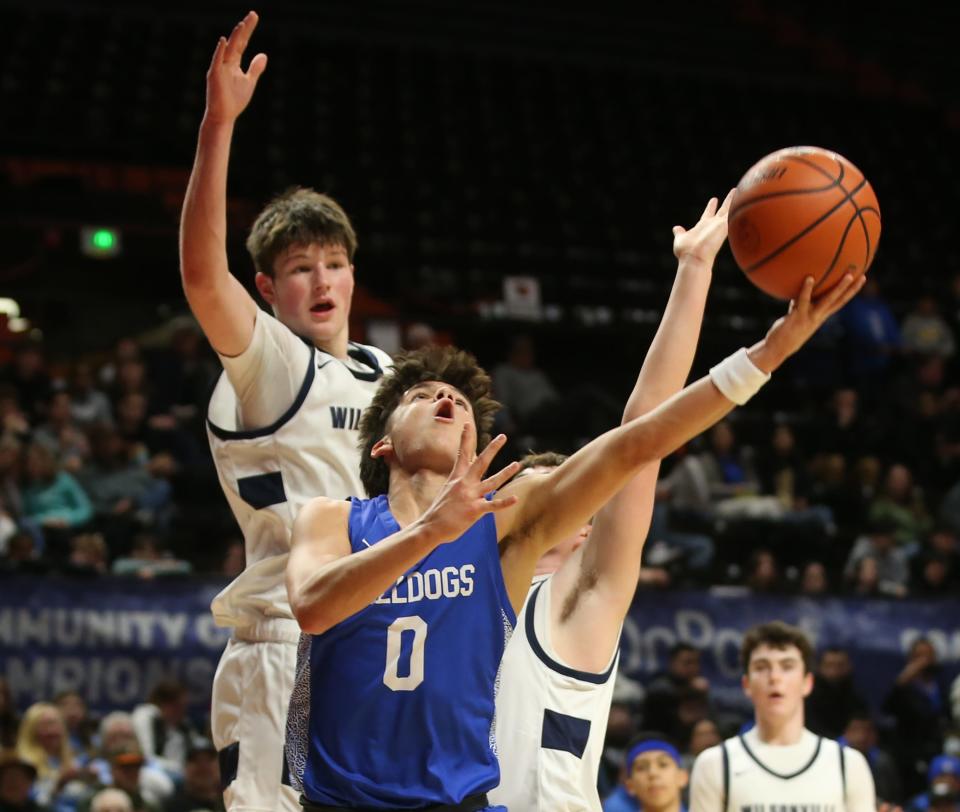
(702,242)
(462,500)
(804,317)
(229,87)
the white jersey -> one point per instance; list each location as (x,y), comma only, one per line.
(744,774)
(551,719)
(269,473)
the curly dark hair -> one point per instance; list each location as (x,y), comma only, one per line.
(447,364)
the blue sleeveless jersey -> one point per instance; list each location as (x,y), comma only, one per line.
(393,707)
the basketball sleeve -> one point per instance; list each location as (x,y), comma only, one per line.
(861,795)
(268,374)
(706,782)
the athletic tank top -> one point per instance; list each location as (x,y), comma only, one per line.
(551,719)
(268,474)
(393,707)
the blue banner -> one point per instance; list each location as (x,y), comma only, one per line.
(877,634)
(113,639)
(110,639)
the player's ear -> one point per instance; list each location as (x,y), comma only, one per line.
(745,685)
(382,447)
(683,778)
(807,683)
(265,288)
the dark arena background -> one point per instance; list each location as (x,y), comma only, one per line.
(513,171)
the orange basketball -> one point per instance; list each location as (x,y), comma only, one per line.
(803,211)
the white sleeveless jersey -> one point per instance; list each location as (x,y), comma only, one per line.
(818,785)
(268,474)
(550,721)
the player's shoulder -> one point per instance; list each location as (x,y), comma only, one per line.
(854,758)
(710,761)
(324,507)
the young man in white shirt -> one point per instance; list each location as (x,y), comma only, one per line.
(779,762)
(282,421)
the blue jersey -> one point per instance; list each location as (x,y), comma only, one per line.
(393,707)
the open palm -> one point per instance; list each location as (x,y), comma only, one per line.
(229,87)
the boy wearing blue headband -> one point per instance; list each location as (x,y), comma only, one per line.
(655,779)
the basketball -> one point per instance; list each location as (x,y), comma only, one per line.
(803,211)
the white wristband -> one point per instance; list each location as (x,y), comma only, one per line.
(738,378)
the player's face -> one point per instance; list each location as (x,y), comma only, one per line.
(311,291)
(776,682)
(656,780)
(425,428)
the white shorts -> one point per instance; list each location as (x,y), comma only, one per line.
(248,717)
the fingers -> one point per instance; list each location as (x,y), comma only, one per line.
(468,444)
(498,480)
(727,202)
(500,503)
(837,298)
(710,210)
(240,36)
(802,302)
(481,463)
(678,230)
(257,66)
(218,52)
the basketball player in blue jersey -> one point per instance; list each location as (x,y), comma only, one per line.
(282,420)
(559,668)
(779,763)
(406,599)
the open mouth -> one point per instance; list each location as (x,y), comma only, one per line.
(322,307)
(444,410)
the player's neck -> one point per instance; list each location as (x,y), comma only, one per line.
(780,732)
(410,495)
(673,806)
(336,346)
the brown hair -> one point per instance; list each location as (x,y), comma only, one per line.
(298,217)
(447,364)
(778,635)
(542,459)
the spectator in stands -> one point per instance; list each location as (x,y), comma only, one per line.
(902,504)
(28,375)
(54,503)
(89,405)
(521,386)
(16,784)
(13,419)
(872,336)
(125,349)
(148,559)
(661,708)
(926,332)
(11,498)
(125,760)
(865,580)
(88,555)
(918,703)
(61,435)
(943,779)
(163,727)
(655,778)
(42,742)
(814,581)
(834,696)
(878,545)
(9,720)
(111,800)
(79,725)
(201,781)
(860,732)
(933,576)
(125,496)
(705,733)
(22,556)
(763,572)
(116,732)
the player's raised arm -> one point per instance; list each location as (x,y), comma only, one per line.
(555,505)
(612,557)
(223,307)
(326,584)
